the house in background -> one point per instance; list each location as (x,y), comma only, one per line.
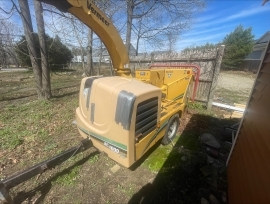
(253,60)
(95,57)
(104,58)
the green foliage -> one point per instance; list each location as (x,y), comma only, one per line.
(9,140)
(196,106)
(238,44)
(58,53)
(157,158)
(68,179)
(199,108)
(3,54)
(94,159)
(201,47)
(77,51)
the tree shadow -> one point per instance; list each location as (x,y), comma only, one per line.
(53,95)
(180,179)
(65,94)
(44,188)
(19,97)
(65,87)
(55,70)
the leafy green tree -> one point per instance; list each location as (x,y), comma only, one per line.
(58,53)
(238,44)
(201,47)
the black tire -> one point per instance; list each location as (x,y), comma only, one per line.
(171,130)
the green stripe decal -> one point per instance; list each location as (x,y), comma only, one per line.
(155,135)
(117,144)
(178,97)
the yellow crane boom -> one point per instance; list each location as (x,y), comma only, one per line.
(87,12)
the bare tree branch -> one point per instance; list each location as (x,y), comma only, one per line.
(8,12)
(60,14)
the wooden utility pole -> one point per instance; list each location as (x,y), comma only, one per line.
(28,30)
(215,77)
(46,82)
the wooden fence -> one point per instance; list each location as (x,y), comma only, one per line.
(251,65)
(208,60)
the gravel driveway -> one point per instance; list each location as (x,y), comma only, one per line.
(234,87)
(12,69)
(233,81)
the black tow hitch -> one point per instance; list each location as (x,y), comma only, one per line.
(27,174)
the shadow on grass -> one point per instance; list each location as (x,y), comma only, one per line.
(55,70)
(3,98)
(180,180)
(65,94)
(16,98)
(44,188)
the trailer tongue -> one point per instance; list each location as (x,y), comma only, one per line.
(27,174)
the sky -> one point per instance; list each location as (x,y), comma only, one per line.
(212,24)
(221,17)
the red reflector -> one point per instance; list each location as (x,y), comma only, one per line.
(188,72)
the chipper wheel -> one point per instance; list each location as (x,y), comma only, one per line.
(171,130)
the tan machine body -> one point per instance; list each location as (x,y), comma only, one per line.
(125,116)
(113,111)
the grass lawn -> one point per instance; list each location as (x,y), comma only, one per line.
(32,131)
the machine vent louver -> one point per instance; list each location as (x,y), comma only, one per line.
(146,117)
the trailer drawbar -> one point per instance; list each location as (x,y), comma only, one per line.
(12,181)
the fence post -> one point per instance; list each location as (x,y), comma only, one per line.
(152,58)
(215,77)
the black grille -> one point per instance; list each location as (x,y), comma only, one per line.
(146,117)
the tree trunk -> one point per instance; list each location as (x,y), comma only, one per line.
(28,30)
(46,82)
(129,23)
(137,45)
(111,67)
(90,69)
(100,57)
(139,36)
(82,56)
